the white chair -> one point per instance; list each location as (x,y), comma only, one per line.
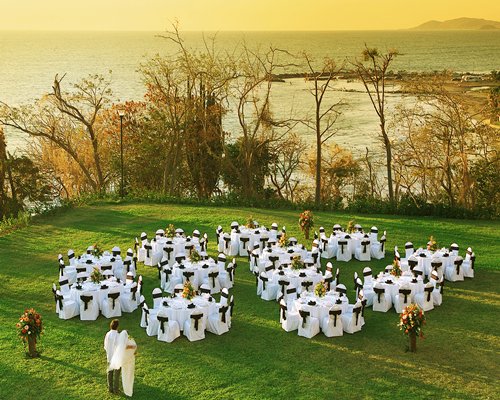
(290,295)
(269,289)
(402,299)
(283,283)
(217,323)
(224,297)
(468,263)
(425,299)
(152,323)
(213,280)
(289,320)
(409,249)
(382,301)
(128,299)
(168,330)
(144,311)
(437,266)
(374,234)
(454,248)
(148,254)
(157,295)
(308,326)
(363,252)
(194,327)
(64,286)
(66,308)
(343,252)
(332,324)
(89,306)
(111,306)
(243,245)
(437,293)
(453,272)
(378,248)
(352,320)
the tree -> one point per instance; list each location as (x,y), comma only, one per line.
(324,118)
(69,121)
(372,71)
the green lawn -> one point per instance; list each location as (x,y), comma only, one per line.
(257,359)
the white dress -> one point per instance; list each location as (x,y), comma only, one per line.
(125,359)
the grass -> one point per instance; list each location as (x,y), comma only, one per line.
(256,359)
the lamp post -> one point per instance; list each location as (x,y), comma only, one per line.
(121,113)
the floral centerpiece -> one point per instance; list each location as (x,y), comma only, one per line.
(320,289)
(396,268)
(97,252)
(432,244)
(194,256)
(411,322)
(188,292)
(170,231)
(96,276)
(250,223)
(297,263)
(29,329)
(306,222)
(283,240)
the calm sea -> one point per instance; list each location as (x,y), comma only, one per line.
(29,61)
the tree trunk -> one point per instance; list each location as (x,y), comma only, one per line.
(317,198)
(388,153)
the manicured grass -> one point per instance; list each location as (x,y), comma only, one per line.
(256,359)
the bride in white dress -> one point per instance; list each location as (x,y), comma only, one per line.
(124,358)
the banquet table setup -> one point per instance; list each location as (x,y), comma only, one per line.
(187,311)
(96,283)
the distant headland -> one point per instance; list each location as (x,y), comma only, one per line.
(459,24)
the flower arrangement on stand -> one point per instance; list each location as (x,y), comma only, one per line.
(170,231)
(306,222)
(396,268)
(432,244)
(194,256)
(188,291)
(29,329)
(97,252)
(411,322)
(297,263)
(320,289)
(350,226)
(96,276)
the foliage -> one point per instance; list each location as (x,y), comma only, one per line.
(30,325)
(350,226)
(194,256)
(432,244)
(412,319)
(170,231)
(97,250)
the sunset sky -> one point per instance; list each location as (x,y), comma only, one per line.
(220,15)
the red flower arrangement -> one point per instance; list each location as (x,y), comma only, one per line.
(29,329)
(306,222)
(411,322)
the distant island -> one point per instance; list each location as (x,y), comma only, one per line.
(459,24)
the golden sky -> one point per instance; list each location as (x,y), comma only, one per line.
(221,15)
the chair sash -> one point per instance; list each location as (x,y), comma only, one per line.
(133,292)
(148,248)
(86,300)
(196,318)
(405,293)
(188,274)
(304,314)
(231,306)
(146,315)
(367,273)
(328,282)
(382,244)
(63,282)
(114,296)
(441,286)
(230,271)
(167,272)
(342,244)
(169,251)
(283,311)
(365,244)
(283,283)
(179,259)
(157,295)
(291,290)
(306,284)
(223,311)
(458,264)
(341,290)
(227,241)
(412,264)
(162,321)
(127,264)
(204,291)
(335,314)
(213,276)
(273,259)
(315,257)
(264,279)
(225,295)
(59,298)
(379,292)
(61,268)
(429,292)
(408,246)
(357,311)
(244,241)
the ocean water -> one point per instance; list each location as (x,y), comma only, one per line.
(29,61)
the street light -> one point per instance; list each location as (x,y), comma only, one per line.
(121,113)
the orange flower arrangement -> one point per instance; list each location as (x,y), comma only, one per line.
(306,222)
(412,320)
(30,325)
(188,292)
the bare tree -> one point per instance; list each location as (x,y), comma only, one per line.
(372,71)
(324,117)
